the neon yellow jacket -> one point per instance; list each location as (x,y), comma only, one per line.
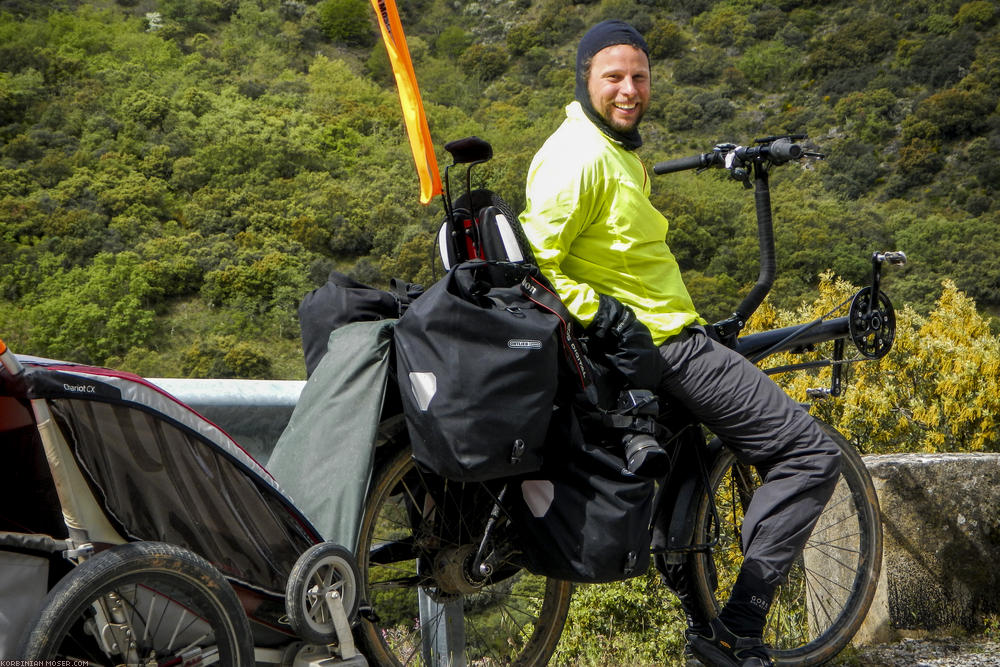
(593,230)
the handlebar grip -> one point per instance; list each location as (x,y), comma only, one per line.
(782,150)
(682,163)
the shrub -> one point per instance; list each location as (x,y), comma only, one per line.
(857,42)
(484,61)
(700,67)
(680,113)
(852,169)
(347,22)
(936,390)
(940,61)
(918,161)
(869,115)
(724,25)
(767,22)
(979,13)
(957,113)
(452,42)
(767,64)
(982,161)
(665,39)
(225,357)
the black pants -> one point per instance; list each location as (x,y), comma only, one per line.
(741,405)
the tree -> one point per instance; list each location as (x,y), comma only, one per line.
(484,62)
(89,314)
(347,21)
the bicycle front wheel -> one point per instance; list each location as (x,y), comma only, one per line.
(830,586)
(142,603)
(417,536)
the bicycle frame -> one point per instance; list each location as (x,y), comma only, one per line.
(685,483)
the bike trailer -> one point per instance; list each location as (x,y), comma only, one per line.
(138,465)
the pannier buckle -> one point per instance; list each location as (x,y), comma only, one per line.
(517,452)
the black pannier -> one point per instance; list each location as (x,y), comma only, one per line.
(342,300)
(583,517)
(477,370)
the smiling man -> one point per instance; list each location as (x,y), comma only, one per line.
(602,245)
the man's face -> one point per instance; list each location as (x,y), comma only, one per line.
(619,85)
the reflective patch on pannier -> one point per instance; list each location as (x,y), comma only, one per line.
(538,495)
(424,386)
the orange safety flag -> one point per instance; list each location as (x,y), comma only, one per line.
(409,97)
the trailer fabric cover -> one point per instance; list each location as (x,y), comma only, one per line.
(23,584)
(324,457)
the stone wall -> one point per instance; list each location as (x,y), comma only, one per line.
(941,515)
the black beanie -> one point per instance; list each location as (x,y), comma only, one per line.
(601,36)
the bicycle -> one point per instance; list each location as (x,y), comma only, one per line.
(438,564)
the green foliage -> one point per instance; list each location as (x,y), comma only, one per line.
(633,622)
(485,62)
(956,113)
(854,169)
(666,39)
(869,115)
(88,314)
(700,67)
(347,21)
(724,25)
(979,13)
(452,41)
(549,28)
(767,64)
(225,357)
(850,49)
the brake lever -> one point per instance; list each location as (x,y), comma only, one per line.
(895,257)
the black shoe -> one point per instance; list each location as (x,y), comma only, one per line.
(721,648)
(690,659)
(645,457)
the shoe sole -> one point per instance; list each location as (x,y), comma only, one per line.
(710,654)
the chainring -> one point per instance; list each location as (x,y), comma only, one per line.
(872,324)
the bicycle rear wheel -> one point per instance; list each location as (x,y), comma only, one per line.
(417,536)
(831,585)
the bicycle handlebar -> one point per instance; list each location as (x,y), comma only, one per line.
(777,150)
(700,161)
(742,163)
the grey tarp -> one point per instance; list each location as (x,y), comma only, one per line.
(323,458)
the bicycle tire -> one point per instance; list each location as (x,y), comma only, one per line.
(830,588)
(164,600)
(513,620)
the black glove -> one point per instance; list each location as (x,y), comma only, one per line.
(625,343)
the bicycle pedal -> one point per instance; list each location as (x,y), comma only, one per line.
(818,393)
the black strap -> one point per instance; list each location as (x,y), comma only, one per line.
(539,293)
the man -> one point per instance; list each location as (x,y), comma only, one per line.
(601,243)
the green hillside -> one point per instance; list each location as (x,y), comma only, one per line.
(174,175)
